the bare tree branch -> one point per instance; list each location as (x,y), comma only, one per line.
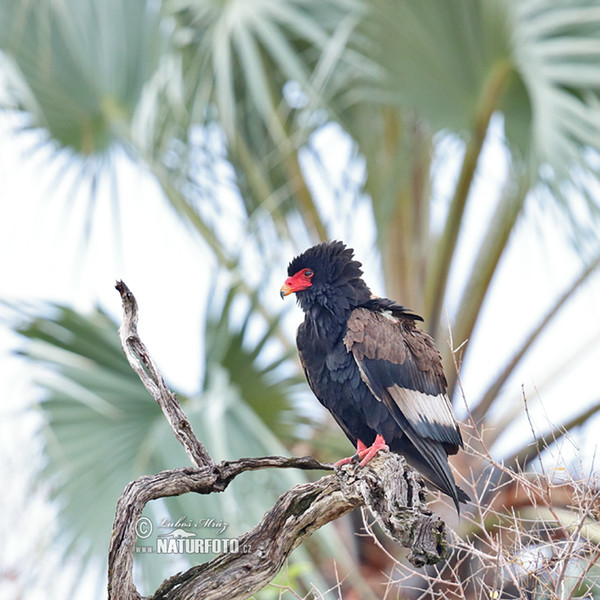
(300,512)
(389,488)
(392,491)
(142,363)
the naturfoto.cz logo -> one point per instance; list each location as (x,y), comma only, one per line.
(181,541)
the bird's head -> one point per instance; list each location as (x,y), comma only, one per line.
(326,275)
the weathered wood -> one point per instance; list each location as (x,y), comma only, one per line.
(175,482)
(387,486)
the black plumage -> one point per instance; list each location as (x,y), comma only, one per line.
(369,364)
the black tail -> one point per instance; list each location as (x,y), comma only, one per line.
(430,459)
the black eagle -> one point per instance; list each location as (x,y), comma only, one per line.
(366,361)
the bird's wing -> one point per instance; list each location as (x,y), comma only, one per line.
(403,369)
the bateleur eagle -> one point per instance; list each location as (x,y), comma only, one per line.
(366,361)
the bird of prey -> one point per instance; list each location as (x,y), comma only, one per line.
(367,362)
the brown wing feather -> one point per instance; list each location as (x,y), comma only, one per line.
(403,369)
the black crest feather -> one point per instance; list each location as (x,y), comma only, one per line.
(331,259)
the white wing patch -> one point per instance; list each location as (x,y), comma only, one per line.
(414,405)
(422,410)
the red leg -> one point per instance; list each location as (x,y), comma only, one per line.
(360,447)
(364,453)
(369,453)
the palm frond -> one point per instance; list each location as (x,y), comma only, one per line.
(85,65)
(556,48)
(96,417)
(257,368)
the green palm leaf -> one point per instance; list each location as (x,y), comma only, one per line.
(84,64)
(546,91)
(96,417)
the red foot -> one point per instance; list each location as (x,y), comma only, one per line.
(343,461)
(368,454)
(363,453)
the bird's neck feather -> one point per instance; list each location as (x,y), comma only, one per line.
(330,309)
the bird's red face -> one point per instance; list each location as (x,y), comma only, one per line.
(297,283)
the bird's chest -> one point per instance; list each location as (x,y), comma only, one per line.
(330,369)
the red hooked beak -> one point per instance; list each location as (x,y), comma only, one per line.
(296,283)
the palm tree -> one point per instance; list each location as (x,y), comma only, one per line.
(293,117)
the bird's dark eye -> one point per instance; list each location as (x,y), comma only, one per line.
(308,273)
